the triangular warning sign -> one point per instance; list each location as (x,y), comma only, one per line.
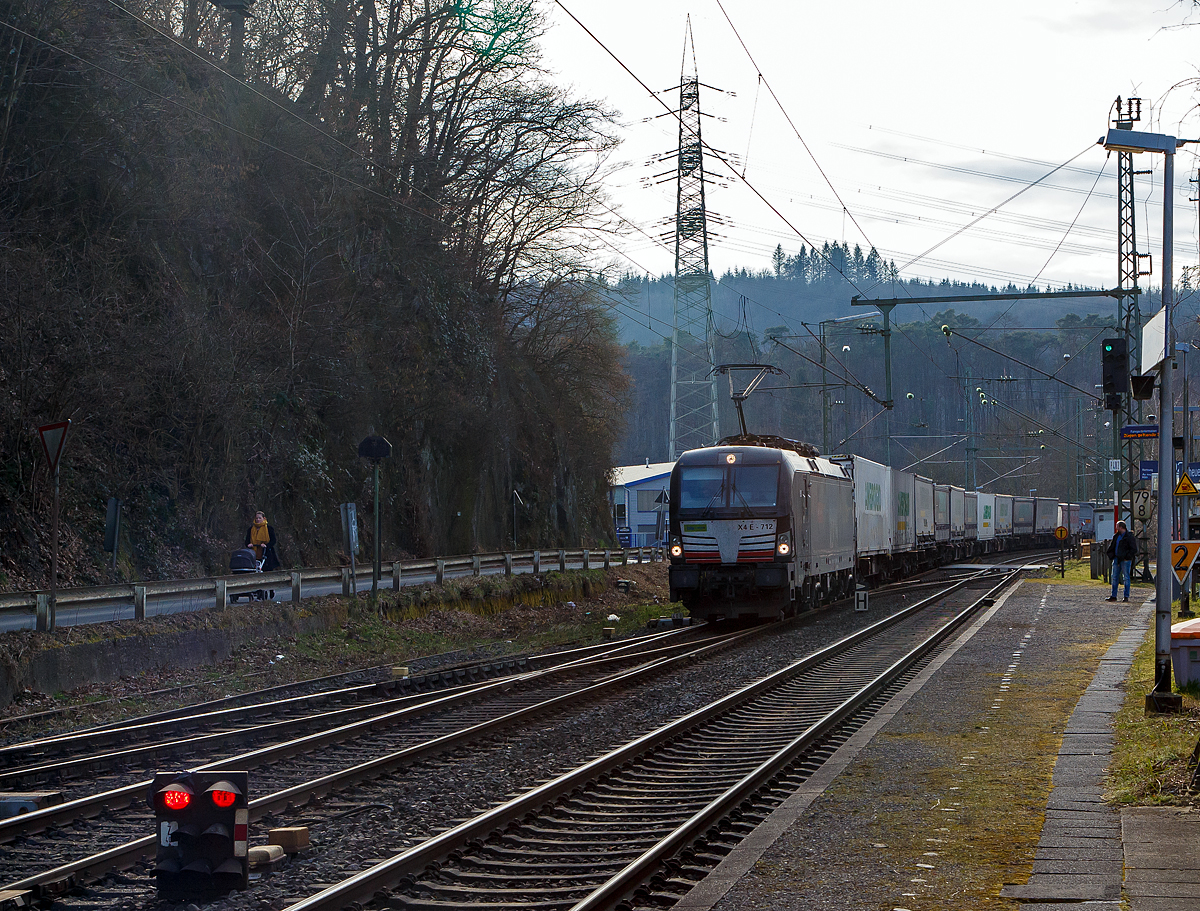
(53,436)
(1183,555)
(1185,487)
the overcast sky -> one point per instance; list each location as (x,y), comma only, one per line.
(922,115)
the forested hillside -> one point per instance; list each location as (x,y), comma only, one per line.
(226,284)
(1015,382)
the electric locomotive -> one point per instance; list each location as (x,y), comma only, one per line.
(759,527)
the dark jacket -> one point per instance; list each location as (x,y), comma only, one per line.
(1123,546)
(270,557)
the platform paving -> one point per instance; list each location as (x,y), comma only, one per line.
(1090,857)
(1080,857)
(1162,858)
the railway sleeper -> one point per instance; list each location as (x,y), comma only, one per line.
(508,878)
(618,821)
(568,831)
(432,904)
(552,846)
(512,859)
(463,893)
(632,818)
(622,793)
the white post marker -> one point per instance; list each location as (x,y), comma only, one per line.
(860,597)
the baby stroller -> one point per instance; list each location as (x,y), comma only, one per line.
(244,561)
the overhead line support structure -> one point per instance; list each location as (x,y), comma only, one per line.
(885,306)
(1129,321)
(888,402)
(1161,698)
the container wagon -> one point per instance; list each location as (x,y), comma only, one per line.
(1023,509)
(941,513)
(987,520)
(926,533)
(1045,517)
(958,514)
(1004,518)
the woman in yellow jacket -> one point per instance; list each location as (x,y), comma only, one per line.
(260,537)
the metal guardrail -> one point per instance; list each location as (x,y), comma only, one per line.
(223,588)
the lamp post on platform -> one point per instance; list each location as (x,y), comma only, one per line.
(1161,698)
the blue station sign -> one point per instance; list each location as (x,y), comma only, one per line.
(1149,468)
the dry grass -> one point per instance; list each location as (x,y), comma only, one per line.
(1150,760)
(462,620)
(985,793)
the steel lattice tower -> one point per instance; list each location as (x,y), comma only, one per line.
(1129,312)
(694,420)
(1129,317)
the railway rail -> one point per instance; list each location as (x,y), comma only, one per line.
(161,734)
(667,804)
(283,800)
(296,771)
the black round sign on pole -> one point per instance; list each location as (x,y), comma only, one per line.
(375,448)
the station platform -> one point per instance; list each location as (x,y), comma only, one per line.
(981,784)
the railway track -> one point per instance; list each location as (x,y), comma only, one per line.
(644,822)
(295,772)
(355,791)
(200,729)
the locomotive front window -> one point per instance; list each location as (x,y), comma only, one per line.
(755,485)
(701,487)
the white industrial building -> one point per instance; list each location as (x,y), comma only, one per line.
(639,498)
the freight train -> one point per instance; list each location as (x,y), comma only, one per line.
(761,527)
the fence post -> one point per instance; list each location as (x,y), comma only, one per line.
(624,556)
(297,586)
(345,582)
(139,602)
(587,563)
(508,564)
(562,561)
(607,558)
(220,597)
(43,611)
(641,556)
(537,562)
(441,571)
(475,564)
(397,572)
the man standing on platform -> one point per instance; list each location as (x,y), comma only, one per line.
(1122,550)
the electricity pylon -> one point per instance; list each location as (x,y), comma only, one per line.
(694,420)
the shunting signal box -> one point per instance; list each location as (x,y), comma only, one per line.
(202,821)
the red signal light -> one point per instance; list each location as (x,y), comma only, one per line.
(176,798)
(223,799)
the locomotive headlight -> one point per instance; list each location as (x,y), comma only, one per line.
(783,544)
(676,547)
